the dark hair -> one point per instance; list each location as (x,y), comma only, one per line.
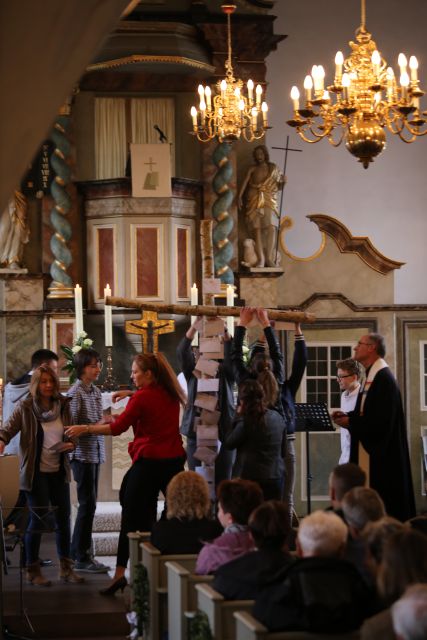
(42,356)
(84,358)
(419,523)
(261,366)
(404,562)
(379,342)
(252,396)
(163,374)
(269,524)
(345,477)
(351,366)
(265,150)
(375,535)
(239,498)
(35,381)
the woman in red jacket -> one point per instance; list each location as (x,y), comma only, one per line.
(156,450)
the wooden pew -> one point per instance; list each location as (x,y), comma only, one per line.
(220,611)
(155,563)
(135,554)
(248,628)
(182,597)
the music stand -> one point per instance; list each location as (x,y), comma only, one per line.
(311,416)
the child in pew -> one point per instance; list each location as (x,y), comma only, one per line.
(242,579)
(187,523)
(236,500)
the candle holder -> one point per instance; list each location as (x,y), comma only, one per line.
(110,382)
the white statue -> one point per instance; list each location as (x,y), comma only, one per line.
(14,231)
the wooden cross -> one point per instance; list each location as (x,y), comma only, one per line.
(149,327)
(150,163)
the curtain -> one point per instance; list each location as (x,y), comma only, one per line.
(147,112)
(110,137)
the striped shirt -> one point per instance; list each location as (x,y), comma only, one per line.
(86,408)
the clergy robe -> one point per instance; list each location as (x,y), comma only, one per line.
(382,432)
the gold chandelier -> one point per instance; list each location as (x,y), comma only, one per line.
(362,102)
(230,114)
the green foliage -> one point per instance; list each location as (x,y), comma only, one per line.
(81,342)
(199,628)
(141,598)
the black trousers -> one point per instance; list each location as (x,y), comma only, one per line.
(138,497)
(86,475)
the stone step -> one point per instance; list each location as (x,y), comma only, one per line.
(105,543)
(107,517)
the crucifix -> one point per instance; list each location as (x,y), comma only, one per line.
(149,327)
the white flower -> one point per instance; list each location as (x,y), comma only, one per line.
(82,334)
(76,348)
(87,342)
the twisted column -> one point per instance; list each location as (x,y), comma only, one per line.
(62,285)
(223,248)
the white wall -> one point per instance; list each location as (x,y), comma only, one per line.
(387,201)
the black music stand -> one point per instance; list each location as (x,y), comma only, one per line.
(311,416)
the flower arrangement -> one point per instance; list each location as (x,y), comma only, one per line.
(81,342)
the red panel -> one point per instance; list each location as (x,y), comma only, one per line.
(64,335)
(182,252)
(147,263)
(106,260)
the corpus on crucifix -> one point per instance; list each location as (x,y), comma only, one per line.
(149,327)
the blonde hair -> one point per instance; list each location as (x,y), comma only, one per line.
(187,496)
(35,381)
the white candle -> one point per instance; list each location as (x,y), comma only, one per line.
(108,319)
(230,303)
(413,65)
(194,117)
(250,91)
(339,61)
(78,306)
(295,98)
(308,85)
(194,300)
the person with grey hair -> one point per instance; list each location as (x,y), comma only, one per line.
(409,614)
(320,592)
(361,505)
(377,430)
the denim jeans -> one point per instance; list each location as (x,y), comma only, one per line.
(86,475)
(289,484)
(48,489)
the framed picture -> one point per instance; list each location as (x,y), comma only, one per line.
(61,330)
(151,170)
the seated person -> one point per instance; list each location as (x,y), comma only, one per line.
(342,478)
(187,525)
(374,536)
(409,614)
(242,579)
(320,592)
(236,501)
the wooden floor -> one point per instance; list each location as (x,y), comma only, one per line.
(63,610)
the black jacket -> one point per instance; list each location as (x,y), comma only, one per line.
(320,595)
(291,385)
(187,363)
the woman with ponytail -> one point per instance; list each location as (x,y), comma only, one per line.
(156,450)
(258,435)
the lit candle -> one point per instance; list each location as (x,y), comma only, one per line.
(404,83)
(321,74)
(308,85)
(402,62)
(339,61)
(194,300)
(315,76)
(264,109)
(254,118)
(203,110)
(345,84)
(413,65)
(208,94)
(250,86)
(108,318)
(295,97)
(201,92)
(78,306)
(376,59)
(194,116)
(230,303)
(390,84)
(258,91)
(223,89)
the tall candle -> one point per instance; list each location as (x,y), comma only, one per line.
(108,319)
(194,300)
(230,303)
(78,306)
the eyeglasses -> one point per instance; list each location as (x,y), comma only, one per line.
(367,344)
(349,375)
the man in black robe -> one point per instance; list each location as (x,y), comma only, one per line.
(378,430)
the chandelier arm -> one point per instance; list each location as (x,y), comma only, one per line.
(414,131)
(304,137)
